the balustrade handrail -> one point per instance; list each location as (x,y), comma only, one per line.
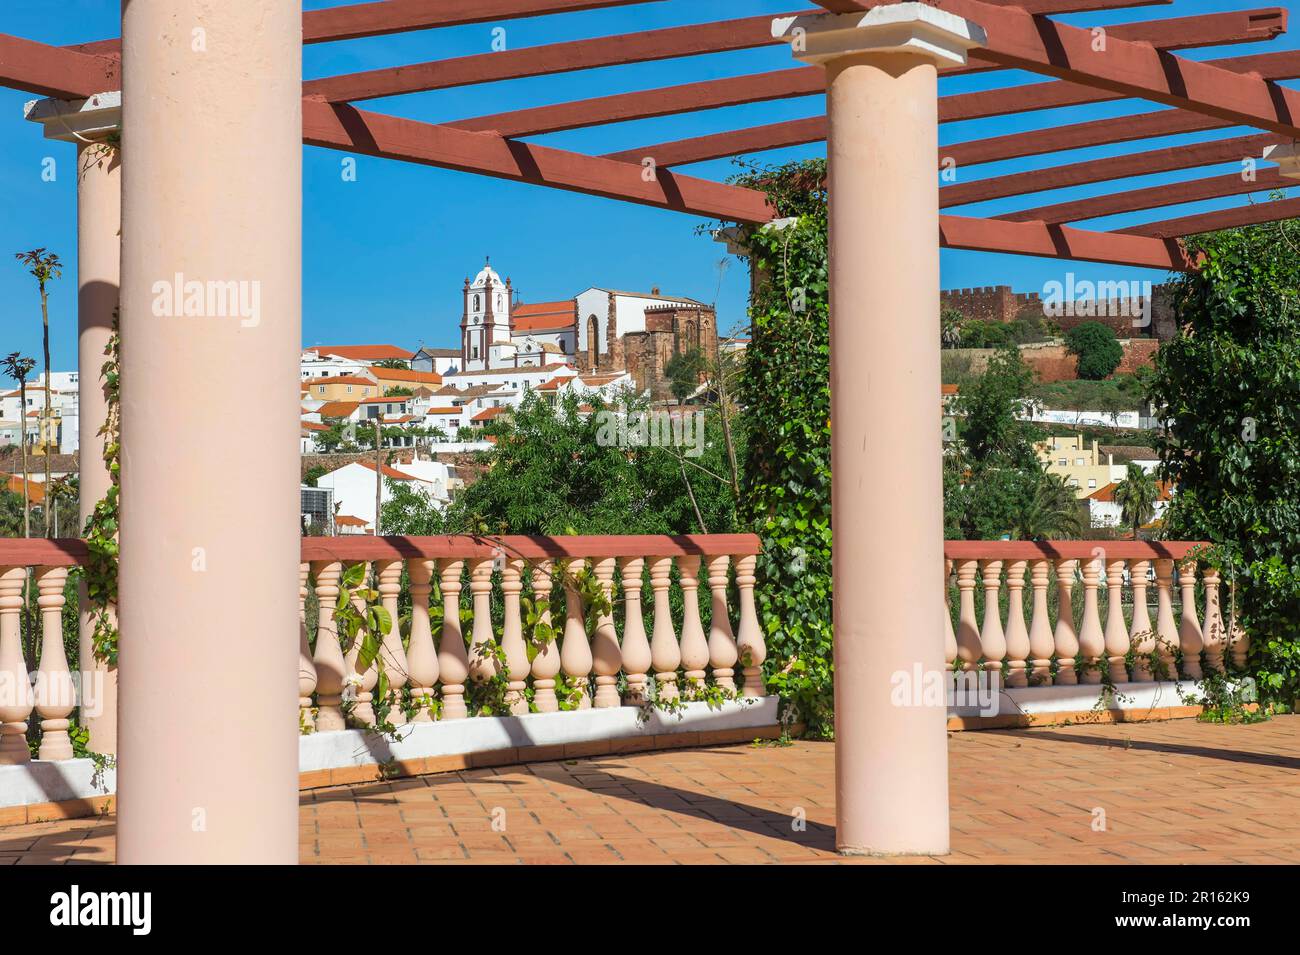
(72,551)
(1069,550)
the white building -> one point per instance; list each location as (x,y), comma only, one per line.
(597,305)
(353,487)
(1103,511)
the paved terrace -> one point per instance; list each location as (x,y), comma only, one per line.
(1176,792)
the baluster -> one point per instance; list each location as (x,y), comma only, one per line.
(1017,635)
(421,654)
(389,573)
(636,648)
(1116,638)
(968,630)
(722,643)
(363,712)
(1141,637)
(546,662)
(331,666)
(695,648)
(606,657)
(1092,644)
(1065,638)
(306,669)
(1214,633)
(993,642)
(482,663)
(575,651)
(750,647)
(56,695)
(1190,638)
(949,636)
(512,638)
(664,651)
(16,696)
(1041,644)
(1166,628)
(453,660)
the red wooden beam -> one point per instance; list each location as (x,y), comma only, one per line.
(1152,197)
(1060,242)
(1240,26)
(1020,41)
(50,71)
(644,47)
(399,16)
(339,126)
(1102,170)
(1069,550)
(1253,214)
(960,107)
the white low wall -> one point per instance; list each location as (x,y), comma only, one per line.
(42,781)
(453,737)
(1129,697)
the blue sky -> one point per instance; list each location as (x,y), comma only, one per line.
(384,256)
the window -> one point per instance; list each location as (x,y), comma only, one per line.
(1063,462)
(1092,483)
(349,389)
(1079,461)
(1073,482)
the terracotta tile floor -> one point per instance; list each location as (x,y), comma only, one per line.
(1170,792)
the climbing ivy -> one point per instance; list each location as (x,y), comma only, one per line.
(786,487)
(101,526)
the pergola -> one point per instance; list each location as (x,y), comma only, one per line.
(208,188)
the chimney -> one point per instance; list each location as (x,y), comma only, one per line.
(654,290)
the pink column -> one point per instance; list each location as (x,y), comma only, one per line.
(211,305)
(891,760)
(90,124)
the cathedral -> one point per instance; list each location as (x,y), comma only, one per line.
(598,330)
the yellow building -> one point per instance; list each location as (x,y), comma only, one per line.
(342,388)
(1084,468)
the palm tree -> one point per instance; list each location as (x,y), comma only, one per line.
(44,266)
(18,368)
(1053,512)
(1136,496)
(950,328)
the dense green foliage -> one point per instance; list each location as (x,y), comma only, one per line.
(1110,395)
(1023,329)
(786,491)
(993,483)
(1136,496)
(1097,348)
(1230,385)
(554,471)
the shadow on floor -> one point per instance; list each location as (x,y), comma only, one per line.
(1174,749)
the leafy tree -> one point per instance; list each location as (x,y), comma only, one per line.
(1097,348)
(44,267)
(1228,385)
(950,331)
(314,474)
(1136,496)
(394,363)
(18,368)
(684,371)
(992,433)
(398,391)
(1054,511)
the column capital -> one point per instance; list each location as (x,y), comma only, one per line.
(734,237)
(1287,157)
(92,119)
(889,28)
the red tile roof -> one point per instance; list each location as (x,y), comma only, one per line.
(342,380)
(544,315)
(14,483)
(337,409)
(388,472)
(401,374)
(347,520)
(1107,494)
(487,414)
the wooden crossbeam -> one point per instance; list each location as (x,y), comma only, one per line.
(1060,242)
(1152,197)
(1018,40)
(647,46)
(1253,214)
(383,17)
(50,71)
(1234,149)
(956,108)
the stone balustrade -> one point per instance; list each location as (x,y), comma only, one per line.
(1042,624)
(477,629)
(460,628)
